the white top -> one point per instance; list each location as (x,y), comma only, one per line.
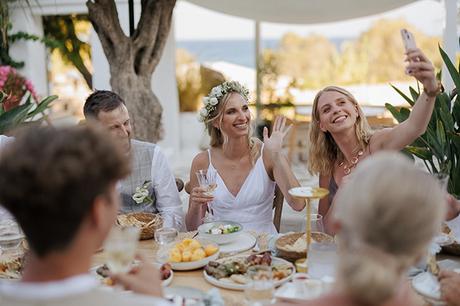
(252,206)
(73,287)
(168,201)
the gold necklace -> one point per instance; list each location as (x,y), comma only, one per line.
(347,167)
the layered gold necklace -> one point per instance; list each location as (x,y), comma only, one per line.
(347,167)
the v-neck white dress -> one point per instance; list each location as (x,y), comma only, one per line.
(252,206)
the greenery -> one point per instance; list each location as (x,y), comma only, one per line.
(23,113)
(439,146)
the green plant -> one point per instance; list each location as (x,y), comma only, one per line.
(25,112)
(439,146)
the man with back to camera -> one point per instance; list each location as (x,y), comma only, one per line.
(59,184)
(148,162)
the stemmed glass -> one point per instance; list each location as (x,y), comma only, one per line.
(120,247)
(207,180)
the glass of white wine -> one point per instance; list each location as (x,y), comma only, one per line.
(207,180)
(120,248)
(260,288)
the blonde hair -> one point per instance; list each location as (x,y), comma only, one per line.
(324,152)
(386,226)
(218,138)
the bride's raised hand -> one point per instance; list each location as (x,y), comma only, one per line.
(422,69)
(274,142)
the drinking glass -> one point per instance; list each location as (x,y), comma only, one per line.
(207,180)
(322,259)
(316,223)
(259,289)
(163,237)
(120,247)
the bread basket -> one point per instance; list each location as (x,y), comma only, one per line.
(147,222)
(283,251)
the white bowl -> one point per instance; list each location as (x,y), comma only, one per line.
(188,265)
(219,238)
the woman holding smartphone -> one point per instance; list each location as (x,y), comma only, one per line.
(341,137)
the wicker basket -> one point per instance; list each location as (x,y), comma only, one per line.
(147,222)
(290,239)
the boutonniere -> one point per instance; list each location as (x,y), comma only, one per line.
(141,196)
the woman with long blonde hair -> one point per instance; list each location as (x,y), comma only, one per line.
(386,217)
(246,169)
(341,137)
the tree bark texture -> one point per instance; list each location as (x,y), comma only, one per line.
(133,59)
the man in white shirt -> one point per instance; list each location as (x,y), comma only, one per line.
(150,169)
(60,185)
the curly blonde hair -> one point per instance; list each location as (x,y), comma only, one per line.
(218,138)
(324,152)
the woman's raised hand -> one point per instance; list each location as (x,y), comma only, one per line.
(422,69)
(274,142)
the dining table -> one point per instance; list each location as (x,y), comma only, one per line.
(195,278)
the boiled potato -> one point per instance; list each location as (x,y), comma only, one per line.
(186,255)
(194,244)
(198,254)
(175,255)
(210,250)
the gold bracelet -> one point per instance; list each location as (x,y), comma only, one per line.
(434,93)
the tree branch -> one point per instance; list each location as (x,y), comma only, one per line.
(104,17)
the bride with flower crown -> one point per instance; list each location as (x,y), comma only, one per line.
(245,168)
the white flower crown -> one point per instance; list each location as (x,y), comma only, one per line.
(215,96)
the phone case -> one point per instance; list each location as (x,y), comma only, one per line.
(408,40)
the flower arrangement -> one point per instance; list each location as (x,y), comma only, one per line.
(215,96)
(15,87)
(141,196)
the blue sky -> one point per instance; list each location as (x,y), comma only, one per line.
(193,22)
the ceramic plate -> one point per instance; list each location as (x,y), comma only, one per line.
(244,242)
(189,265)
(227,284)
(444,239)
(93,271)
(184,296)
(308,192)
(427,285)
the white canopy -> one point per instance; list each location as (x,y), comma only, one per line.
(301,11)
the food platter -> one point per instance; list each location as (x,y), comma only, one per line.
(283,271)
(427,285)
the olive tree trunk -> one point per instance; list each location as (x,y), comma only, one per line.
(133,60)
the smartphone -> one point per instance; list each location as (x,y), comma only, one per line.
(408,40)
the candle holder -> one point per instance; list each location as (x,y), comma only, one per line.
(308,194)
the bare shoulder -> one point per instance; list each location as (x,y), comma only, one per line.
(201,160)
(324,180)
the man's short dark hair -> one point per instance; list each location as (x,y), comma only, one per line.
(49,179)
(101,100)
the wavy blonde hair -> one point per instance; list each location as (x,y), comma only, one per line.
(324,152)
(385,228)
(218,138)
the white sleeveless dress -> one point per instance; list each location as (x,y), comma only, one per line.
(252,206)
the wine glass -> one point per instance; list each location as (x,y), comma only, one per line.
(207,180)
(316,223)
(120,248)
(260,288)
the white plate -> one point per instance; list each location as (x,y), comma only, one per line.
(93,271)
(427,285)
(234,286)
(192,296)
(291,292)
(244,242)
(444,239)
(189,265)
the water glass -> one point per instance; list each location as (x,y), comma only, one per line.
(120,247)
(163,237)
(260,288)
(322,259)
(316,223)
